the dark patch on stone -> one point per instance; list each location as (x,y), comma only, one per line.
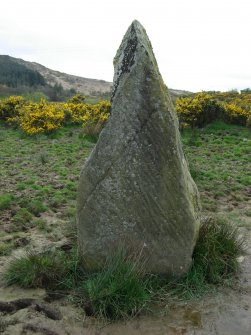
(128,59)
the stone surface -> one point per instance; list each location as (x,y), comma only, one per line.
(135,189)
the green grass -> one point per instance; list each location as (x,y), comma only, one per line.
(5,201)
(37,207)
(22,219)
(220,165)
(120,290)
(34,270)
(42,172)
(48,269)
(6,248)
(39,223)
(214,258)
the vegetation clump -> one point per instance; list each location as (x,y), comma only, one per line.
(5,201)
(6,248)
(215,257)
(120,290)
(48,269)
(22,219)
(217,250)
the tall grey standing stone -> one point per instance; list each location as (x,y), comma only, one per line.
(136,188)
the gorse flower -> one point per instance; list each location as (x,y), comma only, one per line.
(196,110)
(203,108)
(41,117)
(44,117)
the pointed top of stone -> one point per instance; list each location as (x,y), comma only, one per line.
(139,29)
(134,48)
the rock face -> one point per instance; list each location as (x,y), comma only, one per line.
(135,189)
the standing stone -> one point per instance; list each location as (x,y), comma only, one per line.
(135,189)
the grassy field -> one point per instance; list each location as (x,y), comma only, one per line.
(39,177)
(220,160)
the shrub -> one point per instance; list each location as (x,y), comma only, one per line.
(95,120)
(203,108)
(119,290)
(198,110)
(92,117)
(40,118)
(236,114)
(77,99)
(35,96)
(74,112)
(9,108)
(43,117)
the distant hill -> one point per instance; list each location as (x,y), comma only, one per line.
(18,76)
(82,85)
(14,74)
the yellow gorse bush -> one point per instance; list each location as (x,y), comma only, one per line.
(91,117)
(190,108)
(75,112)
(195,110)
(235,113)
(41,117)
(9,108)
(96,117)
(44,117)
(202,108)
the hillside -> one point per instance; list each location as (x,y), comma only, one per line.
(14,74)
(12,69)
(82,85)
(18,76)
